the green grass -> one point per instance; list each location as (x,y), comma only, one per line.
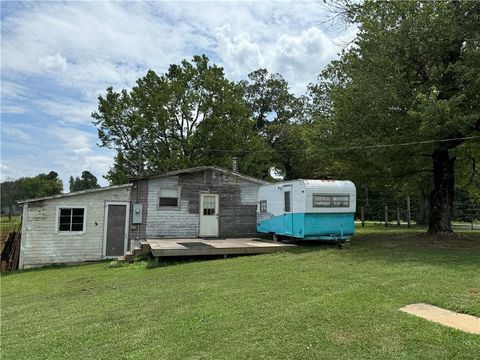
(310,303)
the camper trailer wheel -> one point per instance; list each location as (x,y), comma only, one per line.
(343,244)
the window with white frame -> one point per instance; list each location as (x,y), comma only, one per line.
(168,197)
(71,219)
(326,200)
(263,206)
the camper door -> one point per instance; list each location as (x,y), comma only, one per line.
(287,210)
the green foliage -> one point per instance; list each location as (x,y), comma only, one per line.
(410,76)
(315,302)
(86,181)
(40,186)
(29,188)
(192,115)
(278,116)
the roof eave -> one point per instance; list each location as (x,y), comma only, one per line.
(88,191)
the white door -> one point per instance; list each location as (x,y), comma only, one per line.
(208,214)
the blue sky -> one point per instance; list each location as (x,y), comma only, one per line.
(56,57)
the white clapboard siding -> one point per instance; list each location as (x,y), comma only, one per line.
(42,244)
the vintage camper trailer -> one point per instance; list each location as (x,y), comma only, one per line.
(307,210)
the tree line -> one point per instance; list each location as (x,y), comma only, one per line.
(41,185)
(398,112)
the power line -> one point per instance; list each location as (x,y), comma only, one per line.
(359,147)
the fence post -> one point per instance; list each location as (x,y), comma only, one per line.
(398,212)
(386,216)
(408,211)
(362,215)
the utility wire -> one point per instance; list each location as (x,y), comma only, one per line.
(353,147)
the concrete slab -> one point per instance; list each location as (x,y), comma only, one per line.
(463,322)
(230,246)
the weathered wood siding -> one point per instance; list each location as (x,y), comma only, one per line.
(169,222)
(237,205)
(139,194)
(42,244)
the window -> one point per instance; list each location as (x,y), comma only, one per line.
(288,206)
(209,205)
(323,200)
(263,206)
(71,219)
(168,197)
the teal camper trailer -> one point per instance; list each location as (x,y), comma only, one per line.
(307,210)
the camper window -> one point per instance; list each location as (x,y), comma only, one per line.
(263,206)
(323,200)
(288,207)
(168,198)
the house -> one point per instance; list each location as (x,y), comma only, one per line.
(86,225)
(205,201)
(95,224)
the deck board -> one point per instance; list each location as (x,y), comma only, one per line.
(230,246)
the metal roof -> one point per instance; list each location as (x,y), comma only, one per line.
(201,168)
(75,193)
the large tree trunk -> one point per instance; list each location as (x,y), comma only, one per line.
(441,197)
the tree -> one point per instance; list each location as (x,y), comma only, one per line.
(10,191)
(29,188)
(277,114)
(411,76)
(40,185)
(86,181)
(191,115)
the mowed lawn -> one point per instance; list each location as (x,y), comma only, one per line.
(316,302)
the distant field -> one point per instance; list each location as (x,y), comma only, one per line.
(314,302)
(6,226)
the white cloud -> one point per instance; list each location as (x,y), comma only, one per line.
(53,62)
(58,56)
(16,133)
(68,110)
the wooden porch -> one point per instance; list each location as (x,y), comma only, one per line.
(207,247)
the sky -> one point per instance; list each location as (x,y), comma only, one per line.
(57,57)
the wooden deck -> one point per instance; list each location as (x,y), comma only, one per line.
(198,247)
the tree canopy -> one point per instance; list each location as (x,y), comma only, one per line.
(397,113)
(29,187)
(411,76)
(86,181)
(191,115)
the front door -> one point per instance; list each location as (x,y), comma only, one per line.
(116,230)
(208,215)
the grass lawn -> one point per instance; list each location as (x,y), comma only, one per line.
(315,302)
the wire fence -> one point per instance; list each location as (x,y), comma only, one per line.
(408,211)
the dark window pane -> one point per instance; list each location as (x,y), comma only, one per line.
(263,206)
(78,212)
(287,201)
(65,212)
(64,227)
(77,227)
(167,201)
(77,219)
(71,219)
